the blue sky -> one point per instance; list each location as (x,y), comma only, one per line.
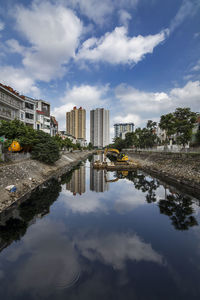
(138,58)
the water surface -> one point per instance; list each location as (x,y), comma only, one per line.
(102,236)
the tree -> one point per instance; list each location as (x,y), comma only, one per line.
(185,120)
(181,123)
(167,123)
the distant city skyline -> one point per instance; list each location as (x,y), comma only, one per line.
(138,59)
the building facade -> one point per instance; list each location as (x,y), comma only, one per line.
(53,126)
(99,127)
(120,129)
(43,116)
(76,123)
(11,104)
(30,112)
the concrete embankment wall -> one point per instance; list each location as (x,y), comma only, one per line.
(179,169)
(28,174)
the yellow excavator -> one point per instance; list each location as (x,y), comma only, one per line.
(121,157)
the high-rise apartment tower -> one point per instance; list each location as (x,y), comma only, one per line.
(76,123)
(99,127)
(122,128)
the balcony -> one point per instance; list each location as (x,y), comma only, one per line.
(7,115)
(30,121)
(6,99)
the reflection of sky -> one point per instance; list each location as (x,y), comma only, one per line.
(47,258)
(100,246)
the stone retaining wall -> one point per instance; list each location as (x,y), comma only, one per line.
(180,169)
(28,174)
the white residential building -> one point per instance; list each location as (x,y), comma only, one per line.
(121,129)
(99,127)
(43,116)
(30,112)
(11,104)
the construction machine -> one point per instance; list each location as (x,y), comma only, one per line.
(121,157)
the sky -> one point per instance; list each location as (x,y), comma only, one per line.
(138,58)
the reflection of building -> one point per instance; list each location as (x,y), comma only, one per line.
(99,127)
(97,178)
(77,183)
(76,123)
(122,128)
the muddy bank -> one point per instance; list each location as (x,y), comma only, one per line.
(178,169)
(27,175)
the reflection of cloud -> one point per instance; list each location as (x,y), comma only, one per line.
(84,203)
(51,259)
(115,249)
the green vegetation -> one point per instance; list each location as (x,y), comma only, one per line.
(181,123)
(42,146)
(178,124)
(141,138)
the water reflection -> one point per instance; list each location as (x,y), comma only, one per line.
(100,246)
(97,181)
(175,205)
(15,221)
(179,209)
(77,183)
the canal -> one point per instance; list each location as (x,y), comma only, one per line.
(96,235)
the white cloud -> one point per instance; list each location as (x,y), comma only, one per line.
(19,80)
(139,106)
(15,47)
(117,48)
(87,96)
(1,25)
(128,118)
(53,32)
(197,66)
(188,8)
(124,17)
(100,11)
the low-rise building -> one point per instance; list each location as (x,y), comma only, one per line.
(11,104)
(53,126)
(30,112)
(43,116)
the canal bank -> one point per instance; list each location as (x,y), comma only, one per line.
(28,174)
(178,169)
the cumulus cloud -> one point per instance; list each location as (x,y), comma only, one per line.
(19,80)
(87,96)
(124,17)
(141,105)
(128,118)
(100,11)
(52,32)
(117,47)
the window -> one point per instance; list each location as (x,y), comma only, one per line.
(29,116)
(29,105)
